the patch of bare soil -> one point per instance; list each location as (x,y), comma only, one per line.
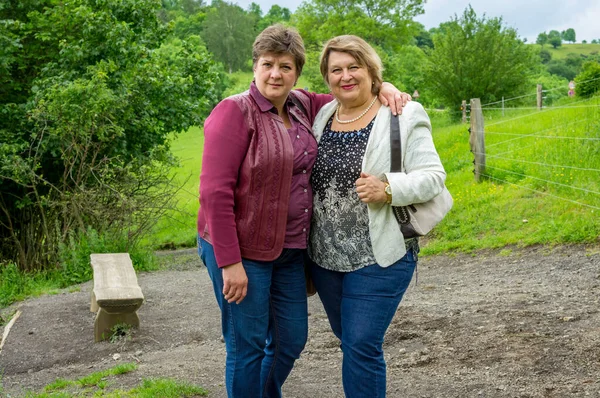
(523,323)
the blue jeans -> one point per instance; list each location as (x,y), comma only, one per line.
(267,331)
(360,306)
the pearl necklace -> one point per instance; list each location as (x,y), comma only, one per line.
(337,113)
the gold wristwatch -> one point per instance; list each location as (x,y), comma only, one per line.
(388,193)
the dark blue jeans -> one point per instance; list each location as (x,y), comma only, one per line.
(267,331)
(360,306)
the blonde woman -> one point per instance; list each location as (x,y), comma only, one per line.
(362,264)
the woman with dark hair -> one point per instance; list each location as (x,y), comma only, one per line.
(254,219)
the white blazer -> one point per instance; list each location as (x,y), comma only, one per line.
(422,179)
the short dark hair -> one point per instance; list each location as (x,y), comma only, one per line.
(361,51)
(280,39)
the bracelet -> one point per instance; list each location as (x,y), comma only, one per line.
(388,193)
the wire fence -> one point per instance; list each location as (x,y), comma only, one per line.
(559,160)
(505,100)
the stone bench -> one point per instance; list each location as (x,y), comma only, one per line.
(116,295)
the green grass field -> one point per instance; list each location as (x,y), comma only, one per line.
(178,227)
(543,184)
(577,48)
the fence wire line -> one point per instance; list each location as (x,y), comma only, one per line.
(545,136)
(530,95)
(447,110)
(538,132)
(539,112)
(548,181)
(546,107)
(542,164)
(509,99)
(541,192)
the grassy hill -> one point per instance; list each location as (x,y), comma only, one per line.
(577,48)
(542,181)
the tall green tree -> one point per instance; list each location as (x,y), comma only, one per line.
(477,58)
(568,35)
(587,83)
(542,39)
(89,98)
(276,14)
(387,24)
(228,32)
(422,37)
(554,38)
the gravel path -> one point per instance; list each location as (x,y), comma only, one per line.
(512,323)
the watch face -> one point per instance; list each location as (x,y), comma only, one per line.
(388,189)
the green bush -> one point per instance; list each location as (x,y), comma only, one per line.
(90,94)
(587,83)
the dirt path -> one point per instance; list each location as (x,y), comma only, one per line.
(521,324)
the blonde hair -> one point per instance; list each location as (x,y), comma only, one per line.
(361,51)
(279,39)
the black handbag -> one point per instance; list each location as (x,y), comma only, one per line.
(416,219)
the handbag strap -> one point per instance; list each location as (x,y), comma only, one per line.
(400,212)
(395,144)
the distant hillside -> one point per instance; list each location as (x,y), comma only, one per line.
(578,48)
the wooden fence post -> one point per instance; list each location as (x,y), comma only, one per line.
(539,97)
(477,139)
(463,107)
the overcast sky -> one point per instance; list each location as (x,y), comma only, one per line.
(529,17)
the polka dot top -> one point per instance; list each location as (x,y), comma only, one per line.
(339,238)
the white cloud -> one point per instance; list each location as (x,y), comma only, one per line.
(529,17)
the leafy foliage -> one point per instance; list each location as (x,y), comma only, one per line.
(587,83)
(554,38)
(384,23)
(229,32)
(88,99)
(275,15)
(477,58)
(568,35)
(542,39)
(555,87)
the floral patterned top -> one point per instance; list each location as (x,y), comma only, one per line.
(339,238)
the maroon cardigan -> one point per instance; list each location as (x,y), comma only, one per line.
(246,175)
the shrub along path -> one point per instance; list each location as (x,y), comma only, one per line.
(510,323)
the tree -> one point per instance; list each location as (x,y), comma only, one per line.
(172,9)
(554,38)
(228,32)
(275,15)
(587,83)
(89,99)
(545,56)
(256,13)
(542,39)
(559,67)
(477,58)
(423,37)
(568,35)
(387,24)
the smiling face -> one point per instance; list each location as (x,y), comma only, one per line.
(349,81)
(275,76)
